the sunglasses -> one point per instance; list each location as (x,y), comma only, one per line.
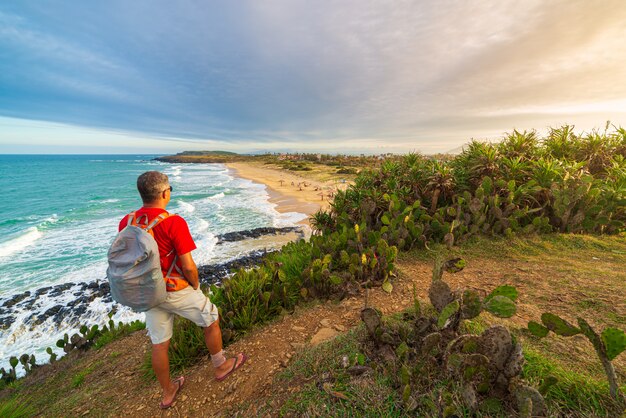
(171,189)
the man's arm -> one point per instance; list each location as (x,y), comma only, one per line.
(190,271)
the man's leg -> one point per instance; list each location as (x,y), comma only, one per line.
(213,340)
(161,367)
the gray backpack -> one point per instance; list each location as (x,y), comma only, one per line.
(134,270)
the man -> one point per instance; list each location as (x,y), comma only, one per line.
(184,297)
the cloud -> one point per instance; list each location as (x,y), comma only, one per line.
(394,74)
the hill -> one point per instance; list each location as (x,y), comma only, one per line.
(290,373)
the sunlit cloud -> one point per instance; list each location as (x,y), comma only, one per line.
(327,76)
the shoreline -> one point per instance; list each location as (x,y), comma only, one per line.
(290,192)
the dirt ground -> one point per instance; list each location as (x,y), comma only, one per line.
(115,385)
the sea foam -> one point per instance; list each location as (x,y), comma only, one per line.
(20,242)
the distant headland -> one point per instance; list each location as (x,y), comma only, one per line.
(203,157)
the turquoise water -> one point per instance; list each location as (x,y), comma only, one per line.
(60,214)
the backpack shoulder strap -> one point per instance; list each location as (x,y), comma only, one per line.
(131,218)
(163,216)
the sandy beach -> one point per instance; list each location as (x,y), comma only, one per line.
(290,191)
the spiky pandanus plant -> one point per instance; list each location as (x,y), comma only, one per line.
(515,168)
(596,150)
(417,179)
(545,172)
(322,221)
(519,144)
(440,183)
(560,143)
(477,160)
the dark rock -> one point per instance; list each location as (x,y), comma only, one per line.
(93,285)
(52,311)
(256,233)
(6,321)
(57,290)
(43,290)
(215,273)
(16,299)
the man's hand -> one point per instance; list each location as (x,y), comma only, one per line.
(190,271)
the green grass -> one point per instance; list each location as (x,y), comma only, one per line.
(16,408)
(529,247)
(79,378)
(575,394)
(186,347)
(320,373)
(118,332)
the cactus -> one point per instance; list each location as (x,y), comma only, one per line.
(486,364)
(92,334)
(405,375)
(32,361)
(608,345)
(454,265)
(558,325)
(537,329)
(406,394)
(402,351)
(504,290)
(52,354)
(529,401)
(63,341)
(500,306)
(471,304)
(615,342)
(416,303)
(448,315)
(430,342)
(24,359)
(497,344)
(440,295)
(515,362)
(371,318)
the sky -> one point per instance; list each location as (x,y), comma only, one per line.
(353,76)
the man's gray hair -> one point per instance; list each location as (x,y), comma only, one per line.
(150,184)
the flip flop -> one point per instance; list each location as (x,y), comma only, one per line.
(180,381)
(236,365)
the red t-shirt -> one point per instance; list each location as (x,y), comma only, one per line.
(170,234)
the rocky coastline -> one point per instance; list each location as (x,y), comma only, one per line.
(72,312)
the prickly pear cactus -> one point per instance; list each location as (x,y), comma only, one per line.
(440,294)
(52,354)
(558,325)
(449,315)
(371,318)
(608,345)
(523,394)
(496,344)
(485,364)
(514,363)
(615,342)
(430,343)
(500,306)
(471,305)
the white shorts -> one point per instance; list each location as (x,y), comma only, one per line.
(188,303)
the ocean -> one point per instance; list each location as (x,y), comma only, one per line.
(60,214)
